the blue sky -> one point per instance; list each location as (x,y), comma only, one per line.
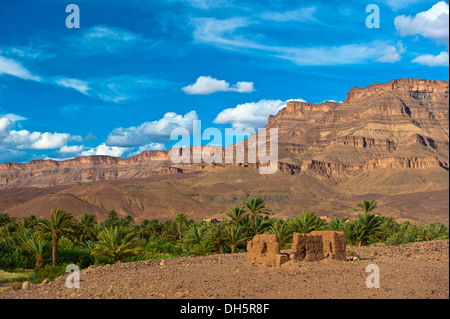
(137,69)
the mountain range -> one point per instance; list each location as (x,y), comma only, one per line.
(388,142)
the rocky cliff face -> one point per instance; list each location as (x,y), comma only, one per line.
(402,124)
(46,173)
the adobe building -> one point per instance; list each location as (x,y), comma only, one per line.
(315,246)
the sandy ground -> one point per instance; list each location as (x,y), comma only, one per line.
(419,270)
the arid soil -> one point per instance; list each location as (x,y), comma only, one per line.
(419,270)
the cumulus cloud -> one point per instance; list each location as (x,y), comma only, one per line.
(14,68)
(103,149)
(36,140)
(74,149)
(24,139)
(392,53)
(151,132)
(207,85)
(432,24)
(251,115)
(442,59)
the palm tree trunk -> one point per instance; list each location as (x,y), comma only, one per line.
(38,263)
(54,250)
(179,230)
(233,249)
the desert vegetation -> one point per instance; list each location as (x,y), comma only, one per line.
(47,245)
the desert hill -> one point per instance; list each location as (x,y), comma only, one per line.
(387,142)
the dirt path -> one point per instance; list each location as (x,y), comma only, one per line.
(419,270)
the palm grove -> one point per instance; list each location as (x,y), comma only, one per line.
(35,243)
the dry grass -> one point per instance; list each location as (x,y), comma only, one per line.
(7,277)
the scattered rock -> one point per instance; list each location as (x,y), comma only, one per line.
(46,281)
(26,285)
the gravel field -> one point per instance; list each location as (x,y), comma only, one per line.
(419,270)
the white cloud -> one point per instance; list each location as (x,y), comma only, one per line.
(11,67)
(302,14)
(7,122)
(251,115)
(151,132)
(78,85)
(204,4)
(392,53)
(400,4)
(116,89)
(442,59)
(220,33)
(103,39)
(103,149)
(432,24)
(74,149)
(24,139)
(207,85)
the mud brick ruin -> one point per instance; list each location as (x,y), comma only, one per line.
(265,249)
(315,246)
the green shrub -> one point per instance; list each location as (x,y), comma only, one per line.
(80,257)
(49,272)
(395,239)
(16,259)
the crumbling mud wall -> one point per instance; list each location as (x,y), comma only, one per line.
(334,244)
(315,246)
(265,249)
(307,247)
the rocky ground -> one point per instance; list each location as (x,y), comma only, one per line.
(419,270)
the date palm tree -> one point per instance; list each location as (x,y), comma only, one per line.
(337,224)
(306,222)
(256,207)
(237,215)
(195,234)
(8,230)
(39,248)
(366,206)
(282,231)
(235,236)
(369,225)
(61,223)
(260,225)
(216,236)
(116,243)
(180,219)
(87,226)
(5,219)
